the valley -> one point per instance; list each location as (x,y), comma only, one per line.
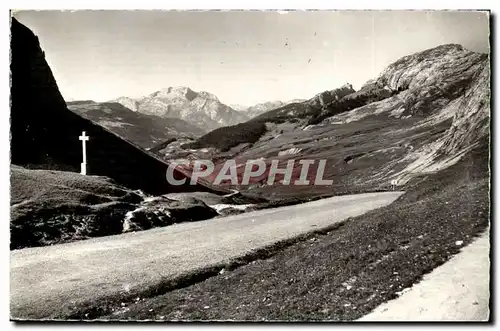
(144,130)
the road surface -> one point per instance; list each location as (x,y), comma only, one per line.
(455,291)
(46,281)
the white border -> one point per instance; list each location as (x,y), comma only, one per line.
(255,4)
(172,4)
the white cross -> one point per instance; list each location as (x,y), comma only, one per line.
(84,138)
(394,183)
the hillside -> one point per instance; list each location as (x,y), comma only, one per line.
(53,207)
(343,272)
(44,133)
(141,129)
(244,133)
(261,108)
(201,109)
(420,115)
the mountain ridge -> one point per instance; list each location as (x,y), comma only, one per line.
(39,141)
(202,109)
(263,107)
(420,115)
(143,130)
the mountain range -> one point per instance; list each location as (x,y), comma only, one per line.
(261,108)
(141,129)
(201,109)
(422,114)
(421,126)
(419,115)
(45,134)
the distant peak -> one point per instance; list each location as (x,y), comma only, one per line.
(176,91)
(122,98)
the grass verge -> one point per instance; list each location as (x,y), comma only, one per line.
(344,273)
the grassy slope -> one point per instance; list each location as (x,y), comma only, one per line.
(44,133)
(367,146)
(141,129)
(49,207)
(230,136)
(344,273)
(250,131)
(370,144)
(53,207)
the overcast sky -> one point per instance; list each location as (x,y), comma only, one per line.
(242,57)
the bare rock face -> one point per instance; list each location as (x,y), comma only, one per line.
(472,120)
(447,62)
(425,81)
(446,84)
(323,99)
(296,110)
(433,77)
(201,109)
(469,113)
(129,103)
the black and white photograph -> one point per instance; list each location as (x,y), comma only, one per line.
(250,165)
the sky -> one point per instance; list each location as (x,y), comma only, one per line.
(243,57)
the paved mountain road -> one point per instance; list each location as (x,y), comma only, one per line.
(47,281)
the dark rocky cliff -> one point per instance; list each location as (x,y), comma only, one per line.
(44,133)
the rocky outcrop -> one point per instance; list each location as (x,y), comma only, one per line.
(347,101)
(470,124)
(201,109)
(129,103)
(50,207)
(446,84)
(323,99)
(429,80)
(54,207)
(161,211)
(432,78)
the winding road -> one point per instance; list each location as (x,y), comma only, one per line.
(50,281)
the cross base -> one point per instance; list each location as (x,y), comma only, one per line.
(83,168)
